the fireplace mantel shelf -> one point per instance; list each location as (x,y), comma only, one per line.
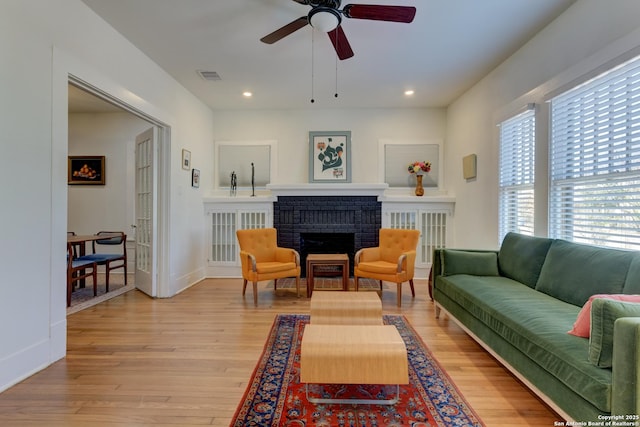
(327,189)
(381,191)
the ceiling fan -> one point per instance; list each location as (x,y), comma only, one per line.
(326,16)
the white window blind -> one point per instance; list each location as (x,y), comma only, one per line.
(517,167)
(595,161)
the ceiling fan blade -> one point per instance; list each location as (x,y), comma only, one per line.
(380,13)
(340,43)
(282,32)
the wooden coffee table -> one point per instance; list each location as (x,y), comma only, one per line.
(353,354)
(334,260)
(346,308)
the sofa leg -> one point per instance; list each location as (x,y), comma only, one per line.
(437,311)
(413,291)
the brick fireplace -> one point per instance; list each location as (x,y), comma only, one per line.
(327,224)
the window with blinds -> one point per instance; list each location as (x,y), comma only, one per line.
(516,175)
(594,193)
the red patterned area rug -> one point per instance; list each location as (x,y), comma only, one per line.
(275,397)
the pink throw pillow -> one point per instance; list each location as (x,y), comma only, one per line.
(582,326)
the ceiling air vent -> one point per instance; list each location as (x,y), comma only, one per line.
(209,75)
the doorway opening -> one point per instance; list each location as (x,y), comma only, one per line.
(100,124)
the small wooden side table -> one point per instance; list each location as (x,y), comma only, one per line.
(335,260)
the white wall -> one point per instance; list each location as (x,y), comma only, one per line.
(41,43)
(588,34)
(93,208)
(291,129)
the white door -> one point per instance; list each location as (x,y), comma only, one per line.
(146,230)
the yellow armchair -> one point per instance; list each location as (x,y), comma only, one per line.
(262,259)
(392,261)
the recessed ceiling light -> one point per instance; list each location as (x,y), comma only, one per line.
(247,94)
(409,92)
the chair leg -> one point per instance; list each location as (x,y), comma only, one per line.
(106,273)
(399,294)
(244,286)
(355,280)
(255,293)
(275,284)
(413,291)
(94,276)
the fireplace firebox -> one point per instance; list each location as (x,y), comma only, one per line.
(327,224)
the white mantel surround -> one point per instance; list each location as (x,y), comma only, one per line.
(395,203)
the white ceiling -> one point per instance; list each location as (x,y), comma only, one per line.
(450,45)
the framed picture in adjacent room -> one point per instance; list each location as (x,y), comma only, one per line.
(330,156)
(86,170)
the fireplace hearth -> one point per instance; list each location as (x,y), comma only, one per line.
(327,224)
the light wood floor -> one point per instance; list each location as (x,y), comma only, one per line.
(186,361)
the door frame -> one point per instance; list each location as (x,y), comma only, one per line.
(163,174)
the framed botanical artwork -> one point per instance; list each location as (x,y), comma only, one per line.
(186,159)
(86,170)
(195,178)
(330,156)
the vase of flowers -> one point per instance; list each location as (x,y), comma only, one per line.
(419,169)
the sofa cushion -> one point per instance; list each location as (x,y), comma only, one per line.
(582,325)
(536,324)
(632,284)
(521,257)
(379,267)
(469,262)
(274,267)
(604,313)
(573,272)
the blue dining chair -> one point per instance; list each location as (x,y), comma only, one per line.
(110,260)
(78,270)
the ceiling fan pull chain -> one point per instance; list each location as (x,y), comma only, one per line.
(336,93)
(312,67)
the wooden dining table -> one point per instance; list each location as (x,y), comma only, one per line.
(81,240)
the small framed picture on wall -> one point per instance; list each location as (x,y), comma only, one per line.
(186,159)
(195,178)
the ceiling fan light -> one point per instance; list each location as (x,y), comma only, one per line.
(324,19)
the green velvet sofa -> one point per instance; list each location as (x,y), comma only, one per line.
(520,301)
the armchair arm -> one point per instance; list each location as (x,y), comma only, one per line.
(367,254)
(407,262)
(287,255)
(248,261)
(625,390)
